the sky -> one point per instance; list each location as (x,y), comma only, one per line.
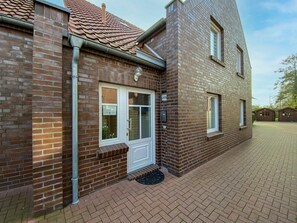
(270,28)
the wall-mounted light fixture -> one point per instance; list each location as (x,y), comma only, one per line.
(138,73)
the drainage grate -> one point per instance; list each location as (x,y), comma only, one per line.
(152,178)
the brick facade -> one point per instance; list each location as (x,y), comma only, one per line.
(15,107)
(94,68)
(191,75)
(49,26)
(44,109)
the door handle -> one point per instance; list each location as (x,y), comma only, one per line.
(129,124)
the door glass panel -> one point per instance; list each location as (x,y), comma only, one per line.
(146,122)
(139,99)
(109,96)
(109,122)
(134,124)
(109,112)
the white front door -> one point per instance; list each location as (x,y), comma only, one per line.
(140,137)
(128,115)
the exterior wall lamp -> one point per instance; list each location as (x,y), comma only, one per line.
(138,73)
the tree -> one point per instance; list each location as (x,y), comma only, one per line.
(287,83)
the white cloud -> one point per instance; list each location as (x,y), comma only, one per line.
(268,47)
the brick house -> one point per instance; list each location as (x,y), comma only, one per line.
(287,115)
(265,114)
(87,98)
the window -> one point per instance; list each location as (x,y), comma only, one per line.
(239,66)
(216,41)
(213,113)
(109,114)
(242,113)
(139,116)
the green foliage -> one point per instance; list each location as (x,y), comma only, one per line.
(287,83)
(256,107)
(254,117)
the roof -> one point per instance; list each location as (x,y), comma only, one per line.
(85,21)
(260,109)
(20,9)
(288,108)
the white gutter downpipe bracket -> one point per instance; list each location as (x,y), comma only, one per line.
(76,44)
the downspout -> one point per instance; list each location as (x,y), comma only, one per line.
(76,43)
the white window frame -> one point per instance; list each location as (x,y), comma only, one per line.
(217,113)
(117,140)
(216,30)
(242,111)
(239,61)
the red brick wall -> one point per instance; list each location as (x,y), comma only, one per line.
(15,108)
(49,26)
(94,68)
(191,74)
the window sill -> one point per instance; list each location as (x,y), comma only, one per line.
(112,150)
(243,127)
(240,75)
(218,61)
(214,135)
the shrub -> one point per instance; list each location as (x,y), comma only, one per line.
(254,117)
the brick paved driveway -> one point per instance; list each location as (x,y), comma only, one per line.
(254,182)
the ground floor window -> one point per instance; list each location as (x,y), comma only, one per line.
(212,113)
(242,113)
(109,113)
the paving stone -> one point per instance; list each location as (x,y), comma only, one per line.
(254,182)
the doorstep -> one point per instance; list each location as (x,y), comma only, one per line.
(141,172)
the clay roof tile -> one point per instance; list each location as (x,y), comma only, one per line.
(85,21)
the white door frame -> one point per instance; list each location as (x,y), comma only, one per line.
(123,115)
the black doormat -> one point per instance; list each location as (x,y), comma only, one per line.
(152,178)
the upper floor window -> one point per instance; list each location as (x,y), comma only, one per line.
(216,35)
(212,113)
(239,65)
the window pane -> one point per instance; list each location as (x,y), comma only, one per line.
(211,113)
(139,99)
(109,96)
(238,61)
(241,113)
(134,132)
(109,122)
(146,122)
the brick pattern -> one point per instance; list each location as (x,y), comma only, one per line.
(15,108)
(143,171)
(16,204)
(112,150)
(95,67)
(254,182)
(49,25)
(191,74)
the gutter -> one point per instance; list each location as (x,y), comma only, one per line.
(76,43)
(158,25)
(153,63)
(16,22)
